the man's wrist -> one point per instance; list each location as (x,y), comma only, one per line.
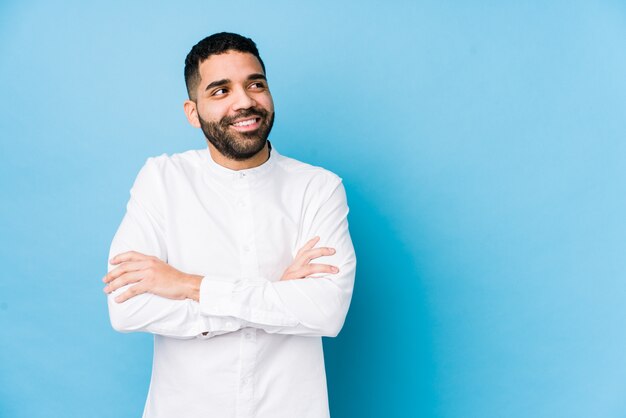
(193,286)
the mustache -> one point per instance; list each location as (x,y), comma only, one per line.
(262,113)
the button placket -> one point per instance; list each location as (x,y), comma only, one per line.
(245,398)
(248,252)
(248,268)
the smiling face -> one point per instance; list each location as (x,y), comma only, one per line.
(233,105)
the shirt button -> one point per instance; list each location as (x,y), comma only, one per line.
(246,248)
(245,381)
(241,204)
(248,336)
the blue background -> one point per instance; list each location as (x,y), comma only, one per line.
(482,145)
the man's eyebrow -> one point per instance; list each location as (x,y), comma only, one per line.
(224,81)
(217,83)
(257,76)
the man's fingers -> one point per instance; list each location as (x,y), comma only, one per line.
(122,269)
(305,257)
(318,268)
(132,291)
(302,267)
(123,280)
(128,256)
(309,244)
(313,253)
(308,270)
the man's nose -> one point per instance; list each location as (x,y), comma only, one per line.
(242,100)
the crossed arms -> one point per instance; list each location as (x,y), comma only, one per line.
(155,276)
(147,294)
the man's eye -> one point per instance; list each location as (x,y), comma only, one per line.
(257,85)
(219,92)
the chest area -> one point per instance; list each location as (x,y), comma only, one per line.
(233,230)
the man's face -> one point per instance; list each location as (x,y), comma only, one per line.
(234,105)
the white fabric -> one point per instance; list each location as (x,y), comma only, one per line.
(261,354)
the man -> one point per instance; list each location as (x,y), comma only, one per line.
(236,258)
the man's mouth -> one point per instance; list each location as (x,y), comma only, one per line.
(247,124)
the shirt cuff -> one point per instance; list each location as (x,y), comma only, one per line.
(249,302)
(215,296)
(215,303)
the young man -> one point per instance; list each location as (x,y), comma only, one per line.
(236,258)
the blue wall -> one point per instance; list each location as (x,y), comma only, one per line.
(482,145)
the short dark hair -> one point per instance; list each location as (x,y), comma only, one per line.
(216,44)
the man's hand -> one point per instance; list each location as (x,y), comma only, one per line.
(302,267)
(151,275)
(155,276)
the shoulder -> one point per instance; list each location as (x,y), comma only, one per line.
(160,171)
(165,166)
(313,176)
(168,164)
(319,190)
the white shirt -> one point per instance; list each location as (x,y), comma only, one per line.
(262,353)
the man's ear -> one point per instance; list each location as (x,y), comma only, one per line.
(191,111)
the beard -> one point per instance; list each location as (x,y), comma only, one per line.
(235,145)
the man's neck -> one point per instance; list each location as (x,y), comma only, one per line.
(254,161)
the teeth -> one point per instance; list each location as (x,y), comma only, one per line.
(245,122)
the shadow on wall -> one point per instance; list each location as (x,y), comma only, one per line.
(381,364)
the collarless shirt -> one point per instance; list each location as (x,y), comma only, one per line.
(251,347)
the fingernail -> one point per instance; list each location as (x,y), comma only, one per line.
(332,251)
(335,270)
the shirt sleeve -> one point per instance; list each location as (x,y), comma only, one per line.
(314,306)
(142,230)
